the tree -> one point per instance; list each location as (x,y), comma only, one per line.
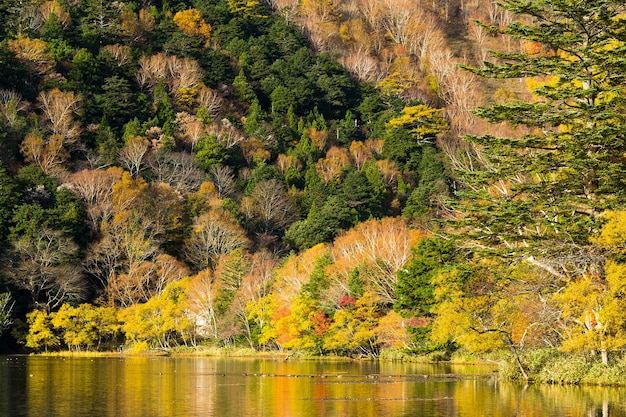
(43,266)
(160,321)
(40,332)
(421,120)
(95,188)
(382,247)
(34,53)
(489,306)
(6,309)
(214,233)
(58,108)
(353,327)
(118,103)
(178,169)
(85,326)
(202,301)
(191,22)
(269,209)
(330,168)
(322,224)
(415,288)
(540,193)
(137,27)
(132,155)
(592,305)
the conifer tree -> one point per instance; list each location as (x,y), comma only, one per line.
(542,192)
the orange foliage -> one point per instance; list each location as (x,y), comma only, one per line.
(318,137)
(136,26)
(382,246)
(330,168)
(360,153)
(49,155)
(295,272)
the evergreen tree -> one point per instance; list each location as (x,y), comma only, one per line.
(543,190)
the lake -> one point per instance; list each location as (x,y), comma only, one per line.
(128,386)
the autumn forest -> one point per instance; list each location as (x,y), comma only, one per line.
(362,178)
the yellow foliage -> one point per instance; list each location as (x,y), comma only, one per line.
(616,278)
(190,21)
(40,332)
(612,236)
(127,191)
(156,321)
(295,329)
(261,312)
(295,272)
(391,331)
(245,8)
(502,96)
(34,52)
(354,328)
(533,83)
(421,120)
(594,310)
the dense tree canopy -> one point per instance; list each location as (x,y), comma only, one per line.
(261,174)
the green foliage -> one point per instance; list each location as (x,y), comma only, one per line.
(84,73)
(570,369)
(209,152)
(281,97)
(318,281)
(118,103)
(8,200)
(321,225)
(361,196)
(243,90)
(571,154)
(431,188)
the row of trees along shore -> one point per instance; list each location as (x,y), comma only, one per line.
(309,177)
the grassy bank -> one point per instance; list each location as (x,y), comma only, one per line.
(550,366)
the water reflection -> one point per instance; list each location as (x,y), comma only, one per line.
(142,386)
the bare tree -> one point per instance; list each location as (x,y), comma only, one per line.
(177,169)
(214,233)
(132,155)
(190,129)
(42,266)
(58,109)
(6,309)
(224,180)
(211,101)
(203,302)
(269,207)
(122,54)
(362,65)
(95,188)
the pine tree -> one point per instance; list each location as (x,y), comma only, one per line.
(542,192)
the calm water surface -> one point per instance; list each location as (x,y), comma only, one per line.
(142,386)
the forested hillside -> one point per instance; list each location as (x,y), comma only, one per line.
(309,175)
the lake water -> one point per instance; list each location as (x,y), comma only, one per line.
(163,386)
